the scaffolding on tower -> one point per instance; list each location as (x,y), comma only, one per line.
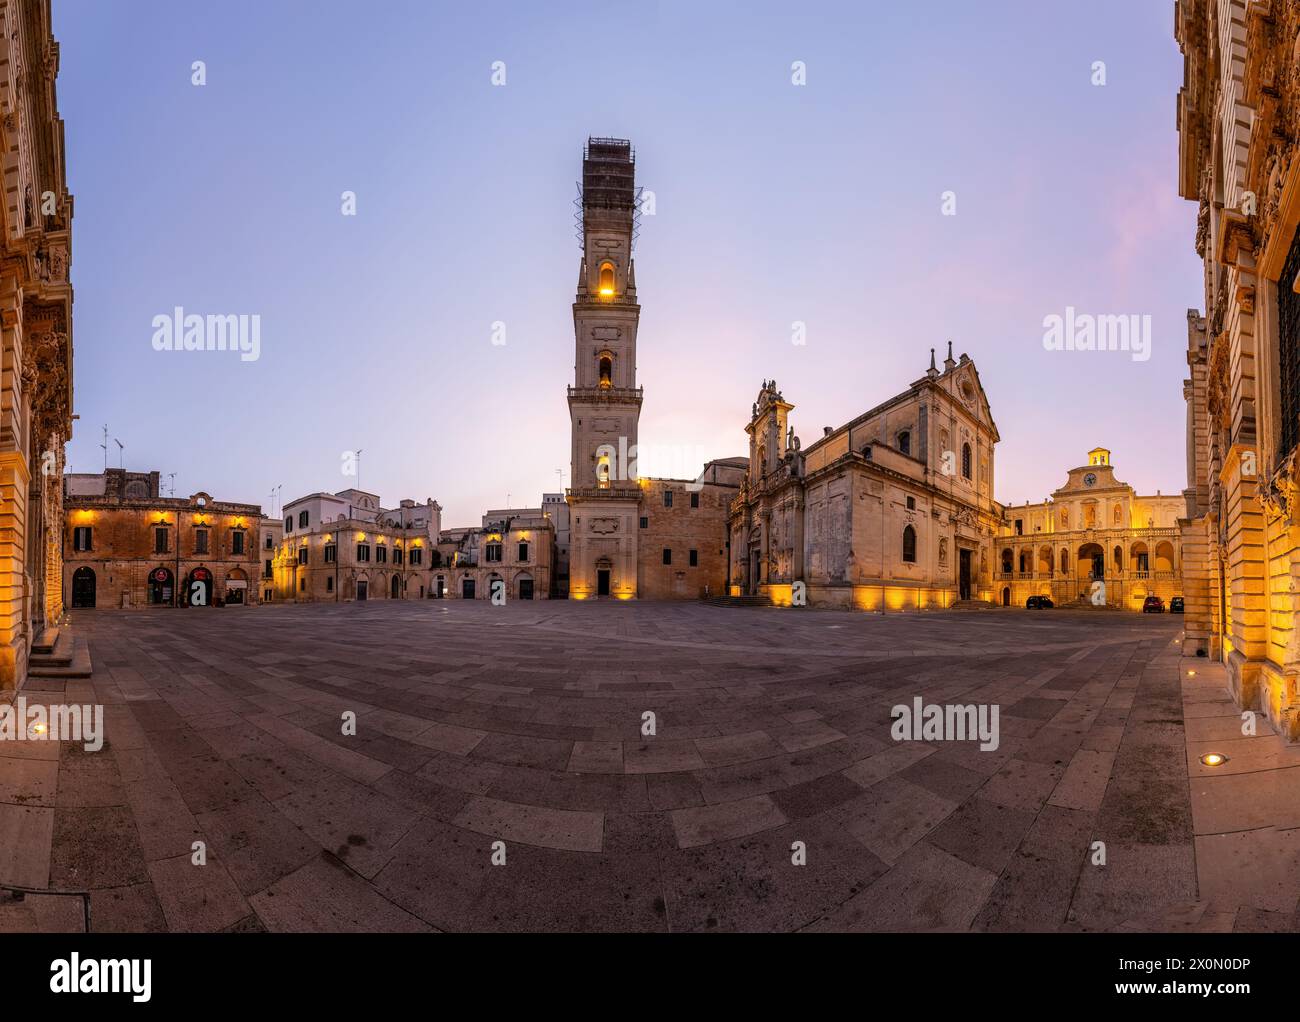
(608,183)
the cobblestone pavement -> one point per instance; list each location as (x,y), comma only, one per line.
(522,725)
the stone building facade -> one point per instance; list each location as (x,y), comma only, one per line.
(127,546)
(338,547)
(1239,139)
(891,511)
(35,333)
(1095,528)
(683,542)
(514,549)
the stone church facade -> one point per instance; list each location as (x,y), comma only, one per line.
(891,511)
(35,332)
(1239,160)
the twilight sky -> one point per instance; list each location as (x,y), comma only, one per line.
(774,204)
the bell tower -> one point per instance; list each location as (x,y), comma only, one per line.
(604,401)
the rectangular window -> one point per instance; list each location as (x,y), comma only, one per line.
(668,556)
(160,541)
(363,552)
(493,553)
(237,543)
(911,503)
(81,537)
(302,519)
(416,556)
(270,542)
(381,554)
(1020,527)
(302,555)
(523,553)
(331,553)
(397,555)
(200,541)
(266,570)
(1288,349)
(695,499)
(329,583)
(288,524)
(668,498)
(645,522)
(695,558)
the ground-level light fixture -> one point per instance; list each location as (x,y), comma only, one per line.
(1213,759)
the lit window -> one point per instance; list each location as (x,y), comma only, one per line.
(607,279)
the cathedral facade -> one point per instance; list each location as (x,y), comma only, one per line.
(894,510)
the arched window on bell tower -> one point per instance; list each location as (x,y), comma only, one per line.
(605,363)
(607,280)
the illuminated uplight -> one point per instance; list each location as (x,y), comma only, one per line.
(39,729)
(1213,759)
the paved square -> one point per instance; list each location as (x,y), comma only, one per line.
(523,725)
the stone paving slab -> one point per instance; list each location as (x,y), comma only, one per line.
(499,777)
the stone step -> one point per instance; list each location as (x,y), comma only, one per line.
(45,643)
(77,664)
(738,601)
(59,656)
(973,605)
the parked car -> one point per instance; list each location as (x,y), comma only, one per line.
(1176,605)
(1153,605)
(1039,603)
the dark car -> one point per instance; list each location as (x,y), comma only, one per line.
(1176,605)
(1153,605)
(1039,603)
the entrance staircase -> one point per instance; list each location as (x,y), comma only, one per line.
(738,601)
(58,654)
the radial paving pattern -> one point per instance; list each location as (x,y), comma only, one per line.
(523,725)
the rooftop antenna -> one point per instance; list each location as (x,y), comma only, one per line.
(171,485)
(105,446)
(358,468)
(120,448)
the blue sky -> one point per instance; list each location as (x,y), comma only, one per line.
(774,204)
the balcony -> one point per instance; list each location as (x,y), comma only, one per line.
(613,395)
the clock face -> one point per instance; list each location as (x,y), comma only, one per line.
(1090,479)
